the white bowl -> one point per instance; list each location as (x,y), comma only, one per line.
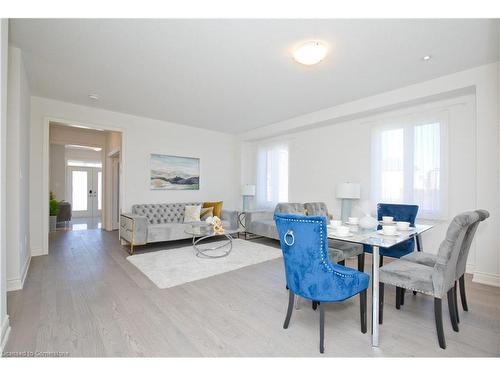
(390,230)
(403,225)
(336,223)
(353,220)
(387,219)
(342,230)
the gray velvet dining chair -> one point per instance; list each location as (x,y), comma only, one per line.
(436,280)
(430,260)
(340,250)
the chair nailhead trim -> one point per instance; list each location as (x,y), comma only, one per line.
(416,290)
(322,254)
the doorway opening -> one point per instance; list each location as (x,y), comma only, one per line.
(84,175)
(85,195)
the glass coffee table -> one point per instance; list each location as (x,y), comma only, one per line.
(201,232)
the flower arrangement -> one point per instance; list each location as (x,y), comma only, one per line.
(216,224)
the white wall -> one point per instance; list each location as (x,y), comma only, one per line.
(18,179)
(70,135)
(111,184)
(320,140)
(4,318)
(141,136)
(321,158)
(57,171)
(84,155)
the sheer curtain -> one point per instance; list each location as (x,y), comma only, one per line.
(272,174)
(409,162)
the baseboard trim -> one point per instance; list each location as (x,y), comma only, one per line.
(14,284)
(25,271)
(486,278)
(18,283)
(469,268)
(37,252)
(4,334)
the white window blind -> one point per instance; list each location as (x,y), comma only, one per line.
(272,174)
(409,163)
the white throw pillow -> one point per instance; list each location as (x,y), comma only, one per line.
(192,214)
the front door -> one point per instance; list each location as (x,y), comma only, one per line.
(85,191)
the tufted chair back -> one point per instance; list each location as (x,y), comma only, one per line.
(445,269)
(162,213)
(400,212)
(469,236)
(309,271)
(317,209)
(290,208)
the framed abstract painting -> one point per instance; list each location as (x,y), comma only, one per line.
(169,172)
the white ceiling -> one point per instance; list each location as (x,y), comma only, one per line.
(237,75)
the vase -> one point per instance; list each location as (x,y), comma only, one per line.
(368,222)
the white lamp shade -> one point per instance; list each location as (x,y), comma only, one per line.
(248,190)
(348,190)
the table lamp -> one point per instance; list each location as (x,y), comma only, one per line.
(347,191)
(247,191)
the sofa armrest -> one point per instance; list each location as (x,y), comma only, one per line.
(134,228)
(258,215)
(231,216)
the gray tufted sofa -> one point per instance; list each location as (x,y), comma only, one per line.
(150,223)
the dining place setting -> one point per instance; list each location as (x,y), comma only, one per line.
(368,226)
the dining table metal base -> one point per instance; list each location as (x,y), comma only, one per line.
(375,295)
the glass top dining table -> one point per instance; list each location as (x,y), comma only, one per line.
(375,239)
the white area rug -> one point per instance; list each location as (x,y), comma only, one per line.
(168,268)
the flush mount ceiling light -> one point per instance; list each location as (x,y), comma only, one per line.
(427,57)
(310,53)
(94,97)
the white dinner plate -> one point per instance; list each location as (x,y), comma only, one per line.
(407,230)
(332,228)
(387,222)
(385,234)
(338,235)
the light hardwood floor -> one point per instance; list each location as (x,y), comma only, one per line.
(86,299)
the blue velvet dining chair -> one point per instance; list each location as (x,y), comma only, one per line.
(400,212)
(309,272)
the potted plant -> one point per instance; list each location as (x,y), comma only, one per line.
(53,211)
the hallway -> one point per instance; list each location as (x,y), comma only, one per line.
(81,223)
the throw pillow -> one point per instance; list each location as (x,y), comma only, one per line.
(206,213)
(192,214)
(217,207)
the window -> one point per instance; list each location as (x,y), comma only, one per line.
(409,163)
(272,174)
(84,163)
